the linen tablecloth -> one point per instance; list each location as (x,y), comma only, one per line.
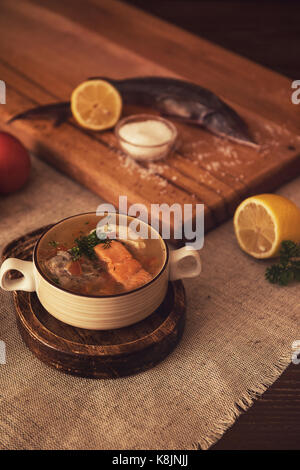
(237,341)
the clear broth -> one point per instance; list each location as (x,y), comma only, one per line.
(92,277)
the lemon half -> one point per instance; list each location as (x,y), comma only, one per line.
(262,222)
(96,105)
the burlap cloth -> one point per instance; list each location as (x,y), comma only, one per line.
(236,343)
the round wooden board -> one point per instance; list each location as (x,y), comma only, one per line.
(96,354)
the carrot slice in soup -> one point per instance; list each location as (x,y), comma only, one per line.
(74,268)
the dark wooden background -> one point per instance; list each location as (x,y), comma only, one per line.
(267,32)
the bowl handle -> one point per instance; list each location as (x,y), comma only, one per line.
(26,283)
(179,272)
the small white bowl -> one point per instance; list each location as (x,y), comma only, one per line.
(146,152)
(98,312)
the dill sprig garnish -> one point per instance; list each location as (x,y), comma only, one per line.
(85,245)
(75,253)
(288,268)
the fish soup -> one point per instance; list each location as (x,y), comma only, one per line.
(75,258)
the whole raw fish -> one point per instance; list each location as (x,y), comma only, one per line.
(173,98)
(186,101)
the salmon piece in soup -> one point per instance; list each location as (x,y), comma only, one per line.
(112,254)
(121,265)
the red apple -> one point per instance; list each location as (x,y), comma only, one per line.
(14,164)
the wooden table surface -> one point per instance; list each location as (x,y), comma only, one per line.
(102,39)
(274,420)
(267,32)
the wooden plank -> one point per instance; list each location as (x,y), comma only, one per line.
(70,156)
(47,65)
(256,88)
(135,174)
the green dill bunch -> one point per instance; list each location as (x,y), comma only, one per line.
(85,244)
(287,269)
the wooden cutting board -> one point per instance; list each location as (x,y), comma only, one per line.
(48,47)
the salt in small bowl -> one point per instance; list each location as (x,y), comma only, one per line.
(146,152)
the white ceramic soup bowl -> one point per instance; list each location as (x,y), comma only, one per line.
(98,312)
